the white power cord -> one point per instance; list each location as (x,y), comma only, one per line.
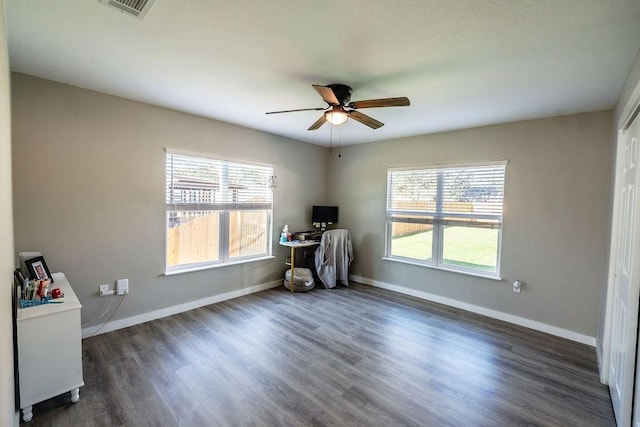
(110,317)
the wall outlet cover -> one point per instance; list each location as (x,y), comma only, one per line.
(517,286)
(104,290)
(122,286)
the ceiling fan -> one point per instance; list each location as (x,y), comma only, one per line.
(338,96)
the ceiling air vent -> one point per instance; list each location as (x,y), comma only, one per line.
(137,8)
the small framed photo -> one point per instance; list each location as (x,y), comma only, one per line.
(38,268)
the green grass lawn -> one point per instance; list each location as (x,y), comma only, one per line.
(416,246)
(472,247)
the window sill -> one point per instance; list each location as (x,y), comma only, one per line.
(211,266)
(452,270)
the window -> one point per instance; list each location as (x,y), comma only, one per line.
(218,211)
(448,217)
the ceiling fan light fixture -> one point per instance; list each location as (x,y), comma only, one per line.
(336,116)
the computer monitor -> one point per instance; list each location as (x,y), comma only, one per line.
(324,214)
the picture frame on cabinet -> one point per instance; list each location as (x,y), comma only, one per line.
(38,268)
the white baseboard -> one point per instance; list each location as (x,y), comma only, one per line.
(602,370)
(180,308)
(517,320)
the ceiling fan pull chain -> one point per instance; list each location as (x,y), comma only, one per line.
(331,139)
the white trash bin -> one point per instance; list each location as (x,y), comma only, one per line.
(303,281)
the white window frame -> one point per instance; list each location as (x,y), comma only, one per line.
(435,218)
(224,208)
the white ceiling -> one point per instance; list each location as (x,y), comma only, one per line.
(462,63)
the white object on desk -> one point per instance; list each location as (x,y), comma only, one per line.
(49,349)
(294,245)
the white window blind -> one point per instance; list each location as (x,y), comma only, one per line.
(194,182)
(447,195)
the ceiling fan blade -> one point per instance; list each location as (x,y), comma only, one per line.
(300,109)
(365,120)
(322,120)
(327,94)
(402,101)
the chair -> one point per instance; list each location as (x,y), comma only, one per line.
(333,257)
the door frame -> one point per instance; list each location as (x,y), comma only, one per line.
(629,112)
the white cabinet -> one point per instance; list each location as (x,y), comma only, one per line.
(49,349)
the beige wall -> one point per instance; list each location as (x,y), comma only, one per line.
(8,415)
(89,192)
(556,204)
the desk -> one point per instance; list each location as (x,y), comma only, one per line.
(294,245)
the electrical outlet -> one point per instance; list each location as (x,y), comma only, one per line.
(517,286)
(104,290)
(123,286)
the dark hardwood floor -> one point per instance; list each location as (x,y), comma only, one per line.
(356,356)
